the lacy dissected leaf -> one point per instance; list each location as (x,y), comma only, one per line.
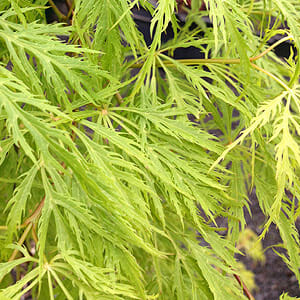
(36,50)
(17,204)
(114,16)
(109,149)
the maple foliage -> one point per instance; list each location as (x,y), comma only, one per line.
(117,160)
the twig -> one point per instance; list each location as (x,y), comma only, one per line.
(29,219)
(193,62)
(287,38)
(28,223)
(59,14)
(69,3)
(201,61)
(21,241)
(36,213)
(70,12)
(245,289)
(119,98)
(272,76)
(34,235)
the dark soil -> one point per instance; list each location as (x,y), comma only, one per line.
(273,277)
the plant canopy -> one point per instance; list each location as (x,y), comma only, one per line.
(117,160)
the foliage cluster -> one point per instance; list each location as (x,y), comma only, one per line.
(116,159)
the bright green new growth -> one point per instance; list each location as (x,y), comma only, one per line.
(102,173)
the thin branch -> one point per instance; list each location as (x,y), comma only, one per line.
(193,62)
(59,14)
(119,98)
(70,12)
(29,219)
(200,61)
(287,38)
(36,213)
(29,224)
(34,235)
(69,3)
(245,289)
(21,241)
(286,87)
